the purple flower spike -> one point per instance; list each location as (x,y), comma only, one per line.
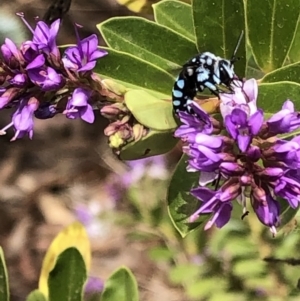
(23,118)
(83,56)
(243,156)
(78,106)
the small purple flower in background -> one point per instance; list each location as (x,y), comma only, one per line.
(249,168)
(152,167)
(88,215)
(94,285)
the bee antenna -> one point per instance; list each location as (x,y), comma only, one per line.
(234,58)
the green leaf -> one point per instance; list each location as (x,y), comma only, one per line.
(176,16)
(4,290)
(249,268)
(67,278)
(271,27)
(271,96)
(287,213)
(150,111)
(161,254)
(74,235)
(120,286)
(218,25)
(252,70)
(228,296)
(206,287)
(184,273)
(36,295)
(181,204)
(148,41)
(289,73)
(294,54)
(127,69)
(155,143)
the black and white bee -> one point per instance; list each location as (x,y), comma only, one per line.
(205,70)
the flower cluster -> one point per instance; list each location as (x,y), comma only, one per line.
(38,82)
(242,158)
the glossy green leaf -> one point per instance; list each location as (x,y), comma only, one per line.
(134,72)
(218,25)
(271,27)
(155,143)
(252,70)
(176,16)
(181,204)
(4,290)
(271,96)
(120,286)
(150,111)
(294,54)
(148,41)
(289,73)
(67,279)
(36,295)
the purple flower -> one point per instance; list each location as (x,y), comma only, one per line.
(83,57)
(216,202)
(246,158)
(19,80)
(242,129)
(45,37)
(266,207)
(6,96)
(244,98)
(22,119)
(45,77)
(11,53)
(192,124)
(93,285)
(29,51)
(286,120)
(78,106)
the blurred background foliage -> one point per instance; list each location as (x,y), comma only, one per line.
(45,186)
